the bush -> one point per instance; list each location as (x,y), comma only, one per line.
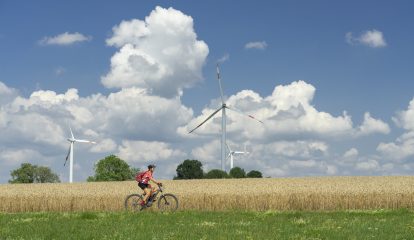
(254,174)
(216,173)
(237,172)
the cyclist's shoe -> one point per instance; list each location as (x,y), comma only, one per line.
(142,203)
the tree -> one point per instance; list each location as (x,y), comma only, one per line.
(28,173)
(44,175)
(189,169)
(237,172)
(254,174)
(216,173)
(112,168)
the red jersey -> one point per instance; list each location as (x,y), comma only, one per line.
(147,176)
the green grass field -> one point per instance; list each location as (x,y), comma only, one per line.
(209,225)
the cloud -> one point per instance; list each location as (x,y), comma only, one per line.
(41,123)
(371,125)
(279,158)
(65,39)
(403,147)
(296,149)
(144,120)
(224,58)
(59,71)
(145,151)
(17,156)
(351,153)
(405,119)
(142,127)
(256,45)
(287,113)
(161,54)
(7,94)
(293,141)
(104,146)
(367,165)
(371,38)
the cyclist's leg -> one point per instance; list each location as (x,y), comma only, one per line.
(142,186)
(147,194)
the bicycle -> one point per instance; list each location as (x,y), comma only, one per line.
(167,202)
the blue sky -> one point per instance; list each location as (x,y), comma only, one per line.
(352,56)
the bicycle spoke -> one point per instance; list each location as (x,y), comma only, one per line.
(133,202)
(168,203)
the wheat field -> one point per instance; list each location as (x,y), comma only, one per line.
(310,193)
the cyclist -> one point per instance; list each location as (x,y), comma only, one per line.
(144,183)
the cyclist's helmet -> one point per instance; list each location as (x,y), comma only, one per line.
(151,166)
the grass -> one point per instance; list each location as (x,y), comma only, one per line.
(380,224)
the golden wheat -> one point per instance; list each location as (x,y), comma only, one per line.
(312,193)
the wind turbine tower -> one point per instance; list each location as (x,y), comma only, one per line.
(232,153)
(223,108)
(72,141)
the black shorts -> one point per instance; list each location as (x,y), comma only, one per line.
(143,185)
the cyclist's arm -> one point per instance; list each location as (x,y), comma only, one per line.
(155,181)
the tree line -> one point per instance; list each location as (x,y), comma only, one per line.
(193,169)
(113,168)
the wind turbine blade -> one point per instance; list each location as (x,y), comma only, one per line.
(84,141)
(221,89)
(67,156)
(242,113)
(199,125)
(71,133)
(228,147)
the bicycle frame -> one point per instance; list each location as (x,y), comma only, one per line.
(154,195)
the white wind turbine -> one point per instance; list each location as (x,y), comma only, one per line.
(72,141)
(232,153)
(223,120)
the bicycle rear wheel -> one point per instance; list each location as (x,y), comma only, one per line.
(168,203)
(133,202)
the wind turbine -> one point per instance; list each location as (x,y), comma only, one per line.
(232,153)
(223,120)
(72,141)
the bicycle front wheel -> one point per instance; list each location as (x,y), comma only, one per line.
(133,202)
(168,203)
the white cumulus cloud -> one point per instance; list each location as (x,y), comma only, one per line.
(160,54)
(405,119)
(371,38)
(145,151)
(65,39)
(287,112)
(256,45)
(224,58)
(368,165)
(40,123)
(403,147)
(372,125)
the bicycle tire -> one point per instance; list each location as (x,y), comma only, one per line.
(168,203)
(133,202)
